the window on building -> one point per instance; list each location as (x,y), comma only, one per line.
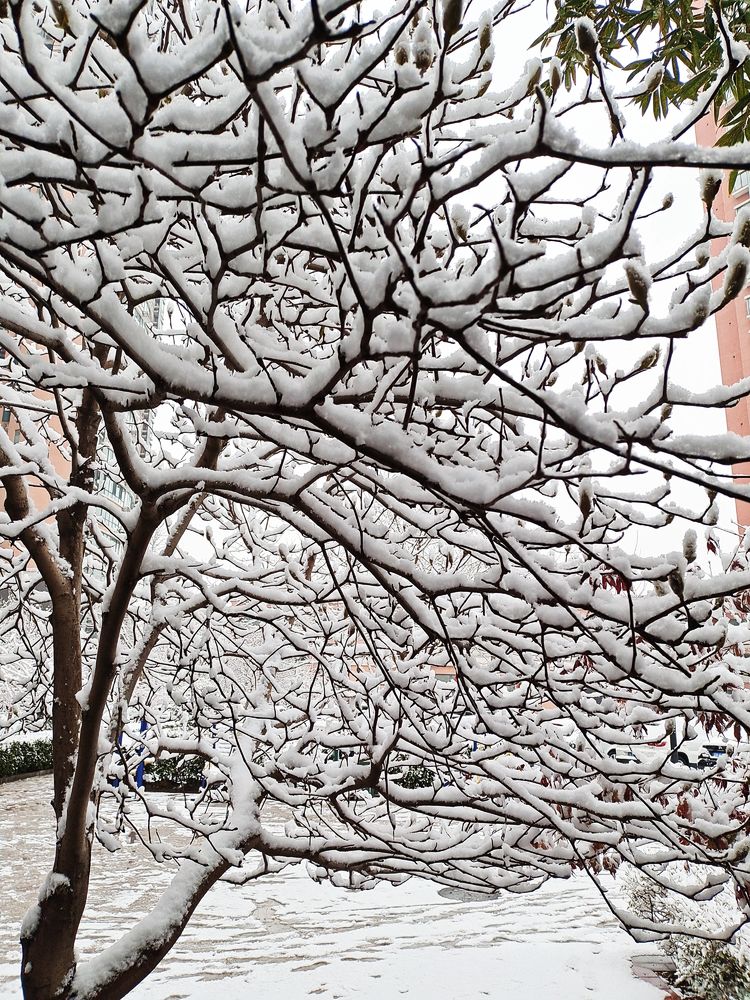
(16,437)
(747,306)
(6,414)
(150,314)
(741,182)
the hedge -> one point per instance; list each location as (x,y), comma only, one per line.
(25,757)
(417,776)
(179,773)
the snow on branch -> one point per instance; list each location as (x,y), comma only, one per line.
(318,476)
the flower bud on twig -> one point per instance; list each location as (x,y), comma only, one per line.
(586,39)
(452,10)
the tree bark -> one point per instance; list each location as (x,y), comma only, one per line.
(49,933)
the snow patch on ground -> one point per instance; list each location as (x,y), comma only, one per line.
(288,938)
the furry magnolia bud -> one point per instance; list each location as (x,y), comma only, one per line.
(735,278)
(639,281)
(689,545)
(585,498)
(654,78)
(555,75)
(649,359)
(61,16)
(460,220)
(676,582)
(741,232)
(452,11)
(423,47)
(534,70)
(701,302)
(402,55)
(586,39)
(710,182)
(485,37)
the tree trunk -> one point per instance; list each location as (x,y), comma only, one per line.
(49,932)
(50,929)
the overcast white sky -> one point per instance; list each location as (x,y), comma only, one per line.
(697,359)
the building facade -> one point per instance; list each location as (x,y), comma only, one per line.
(733,321)
(108,481)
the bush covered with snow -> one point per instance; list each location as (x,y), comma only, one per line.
(179,773)
(712,970)
(417,776)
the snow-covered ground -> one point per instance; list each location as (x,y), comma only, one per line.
(288,937)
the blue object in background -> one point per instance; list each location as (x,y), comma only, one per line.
(140,771)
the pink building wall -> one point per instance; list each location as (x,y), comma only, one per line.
(732,322)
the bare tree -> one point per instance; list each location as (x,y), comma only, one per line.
(305,328)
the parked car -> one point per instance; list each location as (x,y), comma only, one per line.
(648,743)
(691,745)
(687,744)
(624,755)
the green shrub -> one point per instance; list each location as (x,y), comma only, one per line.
(711,970)
(25,757)
(417,776)
(178,772)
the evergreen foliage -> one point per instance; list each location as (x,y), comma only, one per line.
(25,757)
(678,52)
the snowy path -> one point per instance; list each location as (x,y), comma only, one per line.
(288,938)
